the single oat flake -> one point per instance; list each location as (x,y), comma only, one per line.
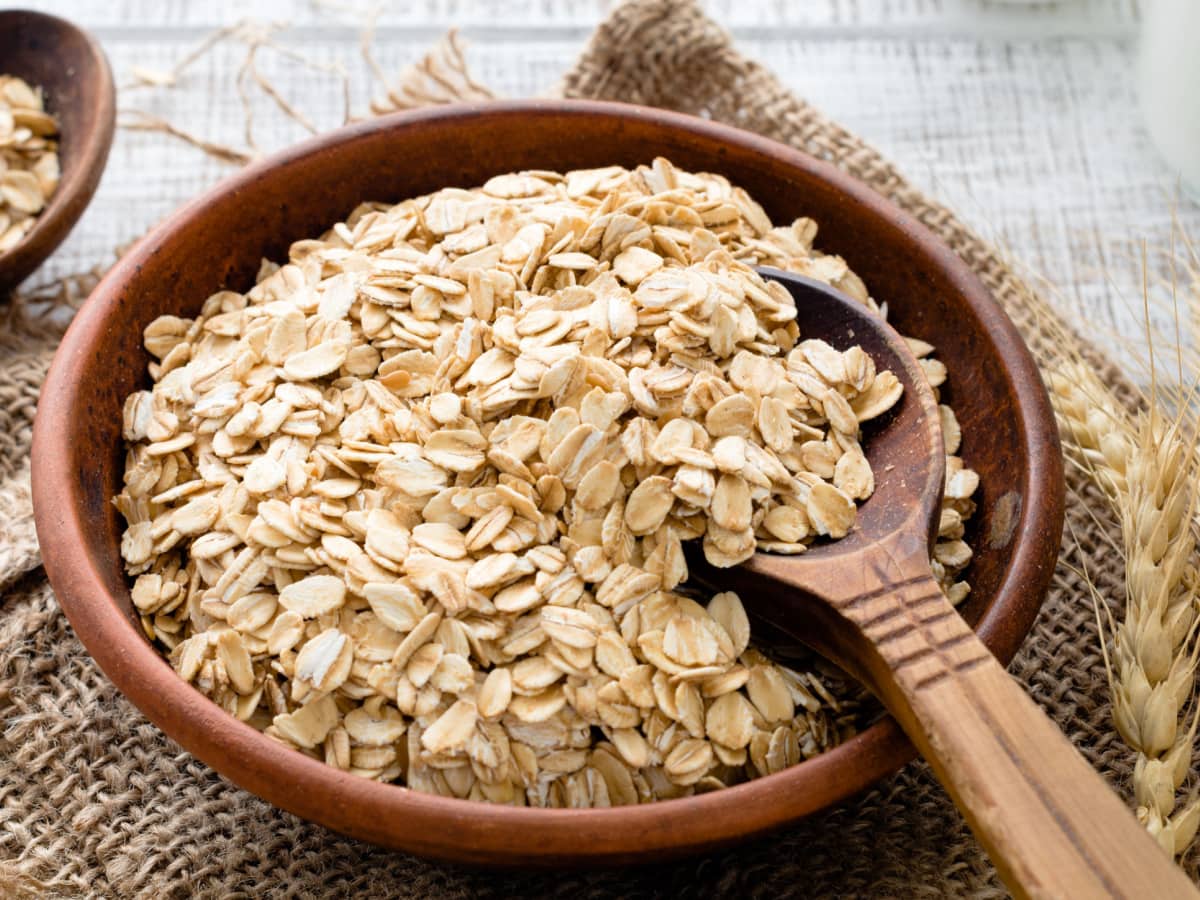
(416,503)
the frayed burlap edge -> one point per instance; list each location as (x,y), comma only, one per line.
(94,801)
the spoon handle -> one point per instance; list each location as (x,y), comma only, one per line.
(1051,824)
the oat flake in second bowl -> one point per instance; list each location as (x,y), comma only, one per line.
(29,171)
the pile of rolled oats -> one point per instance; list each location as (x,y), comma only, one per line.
(28,159)
(415,503)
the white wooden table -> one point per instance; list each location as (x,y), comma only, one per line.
(1024,119)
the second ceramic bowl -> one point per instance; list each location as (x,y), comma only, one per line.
(73,73)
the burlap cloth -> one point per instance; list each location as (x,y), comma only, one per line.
(95,801)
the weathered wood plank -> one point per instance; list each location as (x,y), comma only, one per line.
(974,17)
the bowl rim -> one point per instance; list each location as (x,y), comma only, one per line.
(470,831)
(78,183)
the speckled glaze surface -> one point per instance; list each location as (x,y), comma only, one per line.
(217,241)
(71,69)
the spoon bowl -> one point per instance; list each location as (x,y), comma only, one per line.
(904,446)
(70,68)
(872,604)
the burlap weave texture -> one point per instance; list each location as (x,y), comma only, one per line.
(95,801)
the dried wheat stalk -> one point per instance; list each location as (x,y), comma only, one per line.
(1146,464)
(255,36)
(441,76)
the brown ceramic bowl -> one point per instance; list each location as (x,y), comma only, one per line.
(71,69)
(218,241)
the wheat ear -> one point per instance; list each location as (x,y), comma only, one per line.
(1146,464)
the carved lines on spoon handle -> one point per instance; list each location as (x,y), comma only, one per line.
(915,629)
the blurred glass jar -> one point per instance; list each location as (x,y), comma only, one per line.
(1169,84)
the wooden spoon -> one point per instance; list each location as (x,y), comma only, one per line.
(70,67)
(869,602)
